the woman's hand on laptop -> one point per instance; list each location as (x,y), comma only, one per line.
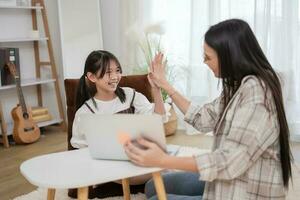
(149,156)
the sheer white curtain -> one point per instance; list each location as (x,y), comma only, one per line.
(276,23)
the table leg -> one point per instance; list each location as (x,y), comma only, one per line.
(51,194)
(159,186)
(83,193)
(126,188)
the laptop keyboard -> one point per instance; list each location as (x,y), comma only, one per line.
(177,150)
(173,149)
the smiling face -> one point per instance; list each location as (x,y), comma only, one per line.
(109,82)
(211,59)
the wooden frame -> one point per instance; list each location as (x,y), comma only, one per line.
(51,63)
(3,128)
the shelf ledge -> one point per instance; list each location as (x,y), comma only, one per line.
(23,39)
(50,122)
(28,82)
(23,7)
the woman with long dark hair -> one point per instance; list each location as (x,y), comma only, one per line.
(251,157)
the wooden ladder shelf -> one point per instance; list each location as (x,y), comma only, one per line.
(40,6)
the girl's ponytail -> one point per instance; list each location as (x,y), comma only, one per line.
(82,92)
(121,94)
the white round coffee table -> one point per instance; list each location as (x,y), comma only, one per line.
(76,169)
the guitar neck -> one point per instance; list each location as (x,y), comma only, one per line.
(20,94)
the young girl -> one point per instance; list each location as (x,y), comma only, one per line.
(98,92)
(251,156)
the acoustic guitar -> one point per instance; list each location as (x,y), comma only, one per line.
(25,129)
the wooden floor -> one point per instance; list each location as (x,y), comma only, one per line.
(12,183)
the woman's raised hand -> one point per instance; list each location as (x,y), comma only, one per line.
(157,74)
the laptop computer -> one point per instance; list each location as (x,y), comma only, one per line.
(106,134)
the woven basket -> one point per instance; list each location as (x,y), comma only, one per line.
(171,126)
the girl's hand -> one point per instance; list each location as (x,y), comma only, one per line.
(153,85)
(151,156)
(157,73)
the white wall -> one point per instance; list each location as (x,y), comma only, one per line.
(81,33)
(118,16)
(111,26)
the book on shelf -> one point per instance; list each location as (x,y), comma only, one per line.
(39,111)
(40,114)
(42,118)
(8,55)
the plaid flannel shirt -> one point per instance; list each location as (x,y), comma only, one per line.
(245,162)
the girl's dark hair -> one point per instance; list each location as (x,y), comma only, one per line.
(239,55)
(97,61)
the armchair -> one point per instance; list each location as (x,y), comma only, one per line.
(138,82)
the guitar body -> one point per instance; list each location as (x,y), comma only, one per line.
(25,131)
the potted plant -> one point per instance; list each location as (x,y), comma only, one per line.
(150,42)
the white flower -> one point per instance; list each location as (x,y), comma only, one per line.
(156,28)
(148,39)
(134,33)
